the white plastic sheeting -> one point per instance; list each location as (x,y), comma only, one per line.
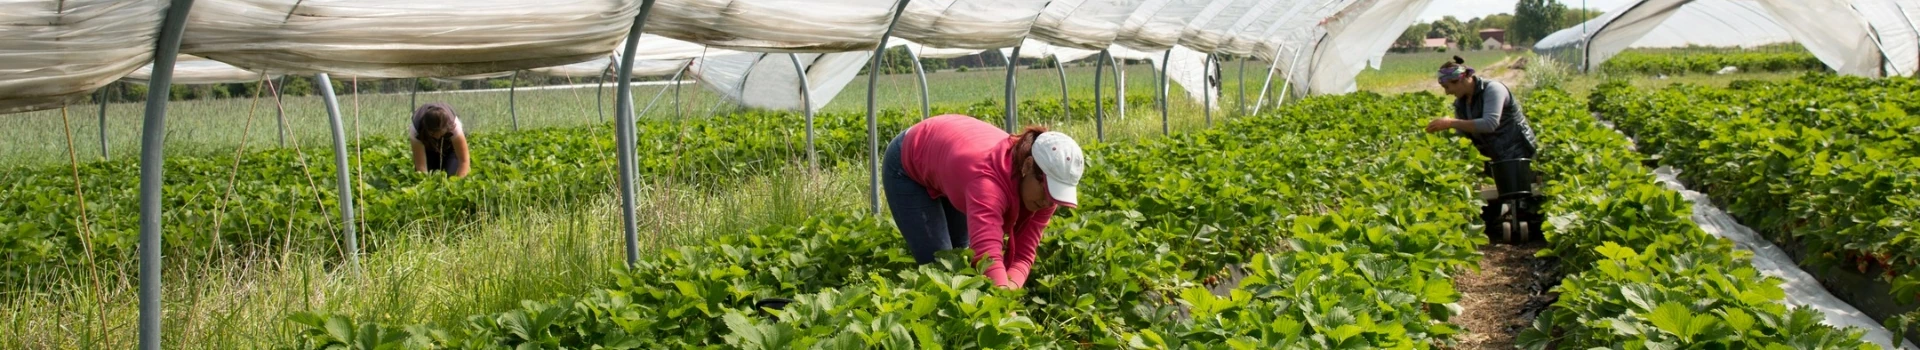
(1082,24)
(188,69)
(1802,288)
(1188,68)
(1358,37)
(1833,30)
(769,80)
(934,52)
(1040,50)
(1245,35)
(772,25)
(55,51)
(1214,26)
(1157,24)
(1893,23)
(397,39)
(968,24)
(605,66)
(1718,23)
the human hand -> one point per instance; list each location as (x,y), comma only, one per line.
(1440,124)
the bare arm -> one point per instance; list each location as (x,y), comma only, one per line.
(419,155)
(460,150)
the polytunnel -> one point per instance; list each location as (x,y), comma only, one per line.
(786,54)
(1870,38)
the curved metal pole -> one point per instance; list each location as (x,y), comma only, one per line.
(623,133)
(513,105)
(1099,106)
(153,135)
(1243,87)
(103,123)
(344,173)
(413,94)
(806,108)
(1066,109)
(926,103)
(599,99)
(873,123)
(1164,60)
(1013,106)
(1206,88)
(1120,87)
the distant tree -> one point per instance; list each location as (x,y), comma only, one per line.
(1534,19)
(1574,17)
(1500,21)
(1413,37)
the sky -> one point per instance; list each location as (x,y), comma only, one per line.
(1468,9)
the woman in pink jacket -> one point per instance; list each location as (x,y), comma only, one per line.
(956,182)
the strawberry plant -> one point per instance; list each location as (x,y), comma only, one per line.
(1823,162)
(1640,273)
(1346,236)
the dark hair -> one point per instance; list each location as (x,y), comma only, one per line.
(431,119)
(1466,72)
(1023,164)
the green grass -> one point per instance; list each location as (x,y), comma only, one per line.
(1397,71)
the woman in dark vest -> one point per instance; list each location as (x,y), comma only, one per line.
(1486,112)
(439,142)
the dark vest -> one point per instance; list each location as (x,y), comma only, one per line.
(1513,139)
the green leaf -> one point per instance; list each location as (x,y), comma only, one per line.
(1673,318)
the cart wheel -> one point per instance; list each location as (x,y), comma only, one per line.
(1506,232)
(1526,233)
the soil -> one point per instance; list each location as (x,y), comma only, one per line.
(1502,298)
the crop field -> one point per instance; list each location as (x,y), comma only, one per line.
(1325,222)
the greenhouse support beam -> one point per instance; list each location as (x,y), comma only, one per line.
(1013,119)
(343,172)
(1099,106)
(103,123)
(153,133)
(1242,105)
(623,133)
(513,105)
(676,95)
(1164,85)
(599,97)
(1066,110)
(926,99)
(806,108)
(1119,87)
(873,123)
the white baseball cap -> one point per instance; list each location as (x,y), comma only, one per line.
(1060,159)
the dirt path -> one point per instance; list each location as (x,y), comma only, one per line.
(1501,299)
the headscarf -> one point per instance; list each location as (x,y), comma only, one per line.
(1454,72)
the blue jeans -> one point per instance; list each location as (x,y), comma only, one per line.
(929,225)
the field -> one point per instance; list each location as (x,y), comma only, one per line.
(1271,229)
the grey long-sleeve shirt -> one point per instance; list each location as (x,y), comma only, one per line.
(1494,98)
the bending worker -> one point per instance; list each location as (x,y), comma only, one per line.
(956,182)
(1486,112)
(439,142)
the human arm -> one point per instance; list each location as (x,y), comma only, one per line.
(1026,242)
(460,151)
(987,204)
(419,155)
(1494,99)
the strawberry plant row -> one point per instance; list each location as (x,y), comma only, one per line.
(1829,163)
(262,200)
(1639,273)
(1347,235)
(1709,63)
